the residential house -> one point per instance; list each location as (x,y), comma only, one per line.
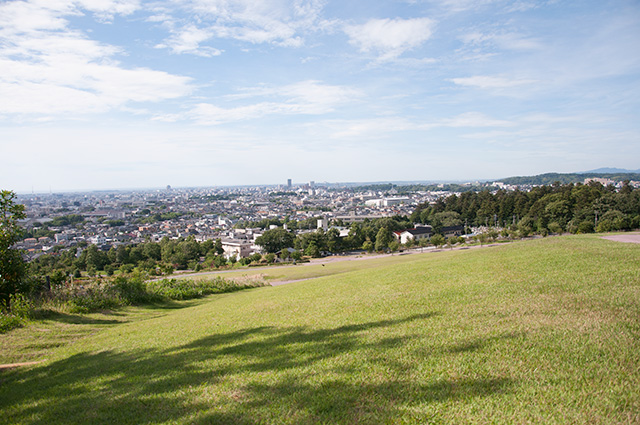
(415,234)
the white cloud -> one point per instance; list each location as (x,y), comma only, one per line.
(488,82)
(390,37)
(106,9)
(48,68)
(279,22)
(302,98)
(188,39)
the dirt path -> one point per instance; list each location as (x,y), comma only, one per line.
(12,365)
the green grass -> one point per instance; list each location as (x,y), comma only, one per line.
(544,331)
(305,270)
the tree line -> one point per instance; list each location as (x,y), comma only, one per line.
(574,208)
(150,257)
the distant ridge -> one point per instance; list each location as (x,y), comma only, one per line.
(551,178)
(609,171)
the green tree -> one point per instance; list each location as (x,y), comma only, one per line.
(312,250)
(218,247)
(12,267)
(383,239)
(482,238)
(394,246)
(152,250)
(94,258)
(368,245)
(334,241)
(437,240)
(122,254)
(220,261)
(274,240)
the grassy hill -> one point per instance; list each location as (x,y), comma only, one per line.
(544,331)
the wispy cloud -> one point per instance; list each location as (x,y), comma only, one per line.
(390,38)
(302,98)
(188,39)
(503,40)
(490,82)
(278,22)
(464,5)
(473,119)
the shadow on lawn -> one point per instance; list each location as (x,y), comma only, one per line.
(76,319)
(258,375)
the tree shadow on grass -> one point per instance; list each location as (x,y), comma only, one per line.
(476,344)
(75,319)
(255,375)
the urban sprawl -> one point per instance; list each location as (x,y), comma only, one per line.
(109,219)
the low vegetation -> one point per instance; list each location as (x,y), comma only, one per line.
(93,295)
(541,331)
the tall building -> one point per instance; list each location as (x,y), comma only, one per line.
(289,183)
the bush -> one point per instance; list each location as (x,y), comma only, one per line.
(97,295)
(21,306)
(116,292)
(8,322)
(14,313)
(555,227)
(585,227)
(126,268)
(184,289)
(132,290)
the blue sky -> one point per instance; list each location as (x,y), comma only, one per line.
(98,94)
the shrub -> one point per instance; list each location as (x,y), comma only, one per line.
(184,289)
(554,227)
(132,290)
(116,292)
(8,322)
(21,306)
(585,227)
(15,311)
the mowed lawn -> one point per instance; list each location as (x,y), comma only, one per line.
(544,331)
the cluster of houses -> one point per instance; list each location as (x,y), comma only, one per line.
(122,218)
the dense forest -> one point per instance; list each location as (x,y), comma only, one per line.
(556,208)
(551,178)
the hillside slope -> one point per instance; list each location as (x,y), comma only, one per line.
(544,331)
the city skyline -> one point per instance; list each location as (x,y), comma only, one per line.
(122,94)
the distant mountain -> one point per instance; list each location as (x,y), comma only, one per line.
(551,178)
(609,171)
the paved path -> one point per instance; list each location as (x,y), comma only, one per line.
(628,238)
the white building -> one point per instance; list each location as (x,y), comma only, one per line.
(415,234)
(236,248)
